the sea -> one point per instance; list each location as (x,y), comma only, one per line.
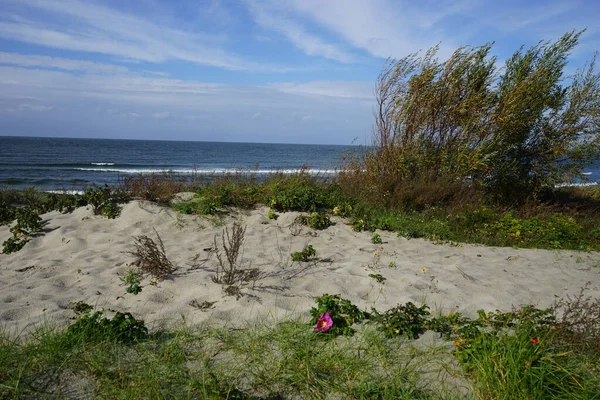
(67,164)
(72,165)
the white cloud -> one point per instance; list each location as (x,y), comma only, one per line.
(29,107)
(94,28)
(345,89)
(162,115)
(271,18)
(58,63)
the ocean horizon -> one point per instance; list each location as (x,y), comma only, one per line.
(74,164)
(77,163)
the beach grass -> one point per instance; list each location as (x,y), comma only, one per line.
(524,354)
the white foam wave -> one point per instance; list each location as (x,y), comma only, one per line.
(586,173)
(103,163)
(216,171)
(582,184)
(65,191)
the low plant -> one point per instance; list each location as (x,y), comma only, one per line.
(272,215)
(105,200)
(229,271)
(150,257)
(28,222)
(377,277)
(158,187)
(14,244)
(315,220)
(7,212)
(133,279)
(342,210)
(305,255)
(96,327)
(341,314)
(376,239)
(408,320)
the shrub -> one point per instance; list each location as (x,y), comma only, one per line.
(343,313)
(229,271)
(513,131)
(408,320)
(376,239)
(305,255)
(7,213)
(299,192)
(272,215)
(105,200)
(28,222)
(95,327)
(150,257)
(315,220)
(158,187)
(133,279)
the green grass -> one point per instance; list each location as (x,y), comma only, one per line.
(524,354)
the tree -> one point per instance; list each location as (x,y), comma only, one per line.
(514,130)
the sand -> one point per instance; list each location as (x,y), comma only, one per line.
(81,257)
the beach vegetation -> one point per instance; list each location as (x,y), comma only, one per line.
(305,255)
(376,239)
(408,320)
(150,257)
(28,222)
(377,278)
(272,215)
(105,200)
(157,187)
(229,254)
(133,279)
(230,272)
(526,353)
(7,213)
(94,326)
(510,132)
(315,220)
(342,313)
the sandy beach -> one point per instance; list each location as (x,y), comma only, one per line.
(81,257)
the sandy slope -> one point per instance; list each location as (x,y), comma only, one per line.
(81,256)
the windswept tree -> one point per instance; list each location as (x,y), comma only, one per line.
(513,130)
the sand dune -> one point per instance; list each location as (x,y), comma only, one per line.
(81,258)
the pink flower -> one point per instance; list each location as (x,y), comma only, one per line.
(324,322)
(534,340)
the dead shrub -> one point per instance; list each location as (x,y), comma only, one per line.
(158,187)
(578,325)
(150,257)
(229,271)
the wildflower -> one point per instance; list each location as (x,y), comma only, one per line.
(273,202)
(324,323)
(534,340)
(336,210)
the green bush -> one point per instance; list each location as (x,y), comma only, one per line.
(512,131)
(7,213)
(343,313)
(95,327)
(315,220)
(105,200)
(305,255)
(408,320)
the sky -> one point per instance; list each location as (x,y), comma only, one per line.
(274,71)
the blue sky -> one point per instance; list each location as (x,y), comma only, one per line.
(284,71)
